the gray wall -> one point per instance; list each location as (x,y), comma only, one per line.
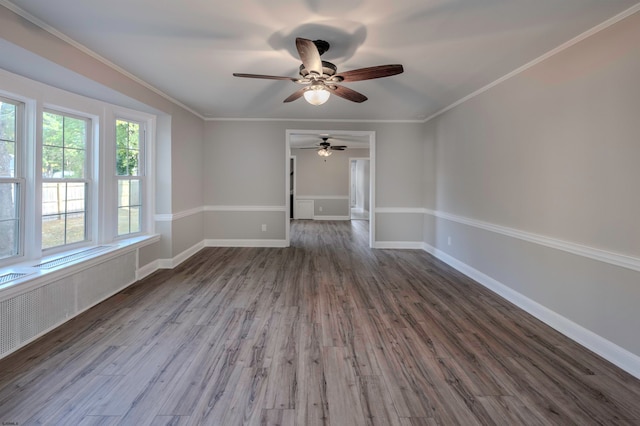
(251,155)
(320,178)
(550,153)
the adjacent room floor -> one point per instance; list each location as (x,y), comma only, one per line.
(327,332)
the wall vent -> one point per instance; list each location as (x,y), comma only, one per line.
(70,258)
(11,276)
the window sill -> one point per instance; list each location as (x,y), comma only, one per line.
(36,272)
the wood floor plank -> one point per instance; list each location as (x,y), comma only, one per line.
(282,393)
(247,402)
(509,410)
(312,407)
(377,405)
(170,421)
(343,388)
(325,332)
(99,421)
(74,410)
(278,418)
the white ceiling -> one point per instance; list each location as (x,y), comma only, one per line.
(449,48)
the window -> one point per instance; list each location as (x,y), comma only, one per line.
(11,183)
(129,175)
(65,182)
(75,172)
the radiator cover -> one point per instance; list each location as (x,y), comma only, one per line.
(26,316)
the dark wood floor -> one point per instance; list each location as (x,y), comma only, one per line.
(325,332)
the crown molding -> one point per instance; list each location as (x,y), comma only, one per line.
(600,27)
(312,120)
(84,49)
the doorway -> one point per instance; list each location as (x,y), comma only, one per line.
(367,139)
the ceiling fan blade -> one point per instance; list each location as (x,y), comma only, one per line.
(371,72)
(345,92)
(268,77)
(338,147)
(295,95)
(309,55)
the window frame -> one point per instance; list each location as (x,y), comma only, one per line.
(19,178)
(88,179)
(147,173)
(36,97)
(140,176)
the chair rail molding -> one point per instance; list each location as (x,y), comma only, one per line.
(601,255)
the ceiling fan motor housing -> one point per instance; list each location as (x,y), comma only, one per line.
(328,70)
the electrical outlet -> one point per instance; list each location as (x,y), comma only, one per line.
(264,227)
(448,240)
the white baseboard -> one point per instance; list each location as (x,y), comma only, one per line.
(177,260)
(245,243)
(407,245)
(147,269)
(151,267)
(331,218)
(601,346)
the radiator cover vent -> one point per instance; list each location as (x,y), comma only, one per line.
(70,258)
(11,276)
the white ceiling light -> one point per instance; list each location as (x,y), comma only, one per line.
(324,152)
(316,95)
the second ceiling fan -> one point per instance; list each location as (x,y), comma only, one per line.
(320,78)
(324,148)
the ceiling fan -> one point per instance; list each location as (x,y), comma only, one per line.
(320,78)
(324,148)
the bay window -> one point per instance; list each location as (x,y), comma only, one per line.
(74,174)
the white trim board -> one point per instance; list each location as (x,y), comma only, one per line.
(400,245)
(616,259)
(175,261)
(245,208)
(322,197)
(168,217)
(603,347)
(244,243)
(410,210)
(319,217)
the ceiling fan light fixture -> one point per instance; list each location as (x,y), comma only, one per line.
(324,152)
(316,95)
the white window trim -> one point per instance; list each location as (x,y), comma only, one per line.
(90,179)
(148,121)
(19,174)
(102,218)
